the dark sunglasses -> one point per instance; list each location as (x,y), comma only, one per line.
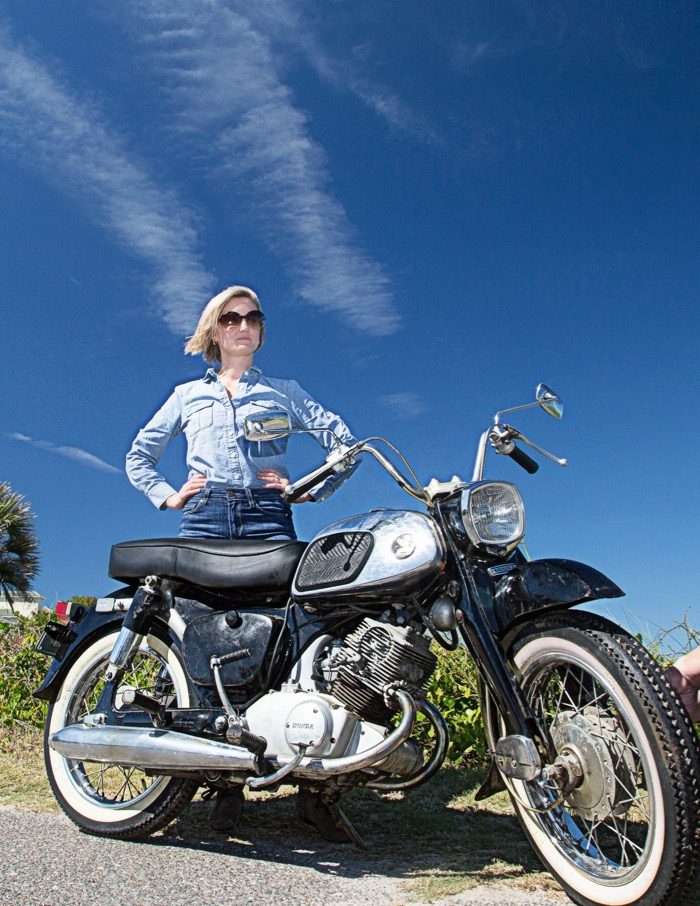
(254,318)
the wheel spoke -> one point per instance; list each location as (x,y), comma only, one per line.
(612,831)
(113,784)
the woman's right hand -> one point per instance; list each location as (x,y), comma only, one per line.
(191,487)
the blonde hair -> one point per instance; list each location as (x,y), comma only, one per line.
(203,339)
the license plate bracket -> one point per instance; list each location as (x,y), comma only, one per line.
(55,640)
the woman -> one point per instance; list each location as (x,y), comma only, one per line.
(234,486)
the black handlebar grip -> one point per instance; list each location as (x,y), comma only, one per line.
(523,460)
(293,491)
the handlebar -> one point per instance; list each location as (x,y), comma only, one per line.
(500,436)
(293,491)
(523,460)
(346,454)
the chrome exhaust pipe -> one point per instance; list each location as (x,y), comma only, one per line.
(151,748)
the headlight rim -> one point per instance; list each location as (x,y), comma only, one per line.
(490,546)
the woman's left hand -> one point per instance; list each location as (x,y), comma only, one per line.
(276,482)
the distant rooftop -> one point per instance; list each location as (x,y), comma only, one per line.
(26,604)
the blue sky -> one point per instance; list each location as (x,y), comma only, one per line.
(439,204)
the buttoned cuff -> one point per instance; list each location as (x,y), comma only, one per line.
(159,493)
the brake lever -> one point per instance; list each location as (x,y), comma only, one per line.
(559,460)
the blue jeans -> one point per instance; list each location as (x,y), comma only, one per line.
(237,513)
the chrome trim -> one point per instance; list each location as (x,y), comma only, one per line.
(386,526)
(478,471)
(418,493)
(268,425)
(126,641)
(256,783)
(162,750)
(550,401)
(469,526)
(431,766)
(168,750)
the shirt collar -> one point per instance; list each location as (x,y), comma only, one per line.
(251,374)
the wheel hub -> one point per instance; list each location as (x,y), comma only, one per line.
(593,740)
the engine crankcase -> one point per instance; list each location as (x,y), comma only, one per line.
(287,718)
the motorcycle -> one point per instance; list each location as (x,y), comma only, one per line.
(231,663)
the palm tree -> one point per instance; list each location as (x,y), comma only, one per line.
(19,560)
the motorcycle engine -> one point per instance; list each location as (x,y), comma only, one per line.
(373,656)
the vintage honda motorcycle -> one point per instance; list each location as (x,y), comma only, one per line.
(226,663)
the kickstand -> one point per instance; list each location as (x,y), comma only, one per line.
(349,829)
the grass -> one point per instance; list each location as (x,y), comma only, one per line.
(447,842)
(23,784)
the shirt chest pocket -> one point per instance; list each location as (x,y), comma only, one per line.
(198,416)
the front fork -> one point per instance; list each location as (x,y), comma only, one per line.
(520,753)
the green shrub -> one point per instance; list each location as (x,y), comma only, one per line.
(22,669)
(453,689)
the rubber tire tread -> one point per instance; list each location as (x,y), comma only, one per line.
(665,711)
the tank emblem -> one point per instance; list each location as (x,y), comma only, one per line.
(502,569)
(403,546)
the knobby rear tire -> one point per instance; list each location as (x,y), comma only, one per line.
(638,811)
(112,800)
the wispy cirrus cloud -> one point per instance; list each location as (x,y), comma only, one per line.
(224,85)
(289,26)
(75,453)
(68,140)
(404,406)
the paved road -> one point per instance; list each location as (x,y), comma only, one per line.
(46,861)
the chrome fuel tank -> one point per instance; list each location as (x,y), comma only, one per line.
(370,553)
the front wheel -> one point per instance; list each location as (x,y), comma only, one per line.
(115,800)
(627,830)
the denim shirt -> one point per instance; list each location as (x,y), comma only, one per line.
(216,446)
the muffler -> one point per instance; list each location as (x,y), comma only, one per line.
(151,748)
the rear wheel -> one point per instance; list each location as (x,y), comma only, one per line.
(628,831)
(109,799)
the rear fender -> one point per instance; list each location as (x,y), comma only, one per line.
(106,616)
(538,586)
(81,634)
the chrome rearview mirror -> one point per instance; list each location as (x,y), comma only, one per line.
(549,401)
(267,426)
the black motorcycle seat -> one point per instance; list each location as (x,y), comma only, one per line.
(262,566)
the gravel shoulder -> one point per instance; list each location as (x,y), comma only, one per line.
(435,845)
(46,861)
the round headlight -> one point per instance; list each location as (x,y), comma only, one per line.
(493,514)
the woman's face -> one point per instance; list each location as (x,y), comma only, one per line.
(242,339)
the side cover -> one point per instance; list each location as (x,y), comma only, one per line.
(245,637)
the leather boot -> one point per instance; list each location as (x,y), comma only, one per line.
(327,818)
(226,809)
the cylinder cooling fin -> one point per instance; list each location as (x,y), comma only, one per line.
(374,656)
